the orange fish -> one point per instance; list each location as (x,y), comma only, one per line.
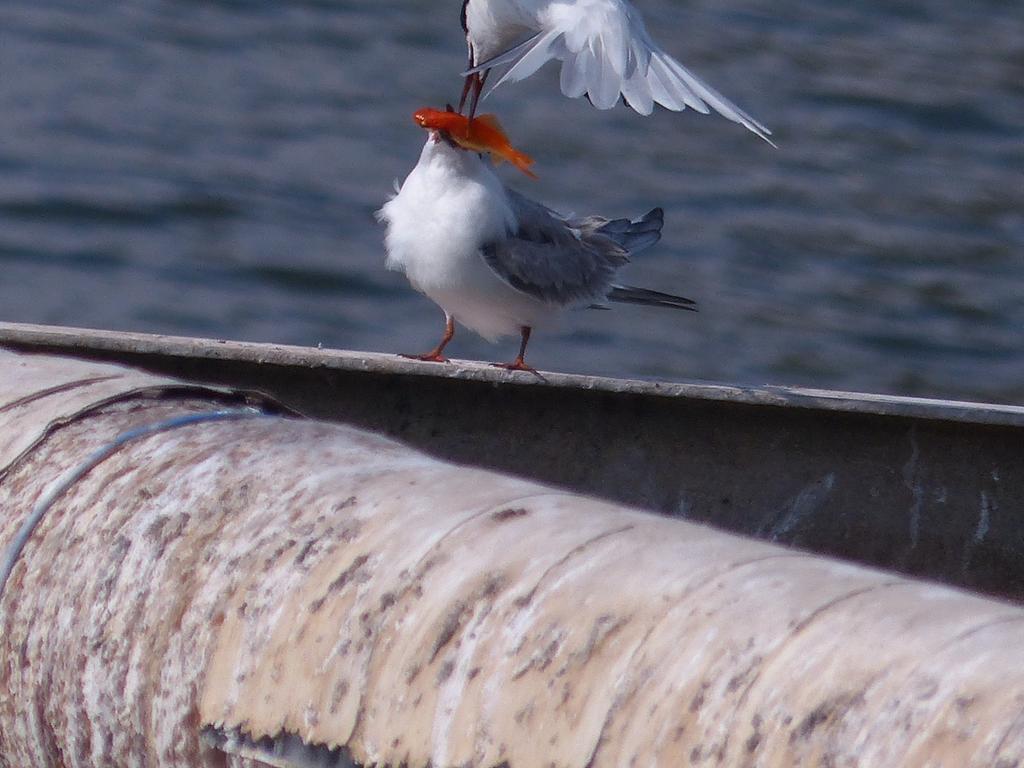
(481,134)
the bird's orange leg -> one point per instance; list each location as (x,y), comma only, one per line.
(434,355)
(519,364)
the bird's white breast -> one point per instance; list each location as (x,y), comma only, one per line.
(446,210)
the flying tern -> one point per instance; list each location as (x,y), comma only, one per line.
(605,50)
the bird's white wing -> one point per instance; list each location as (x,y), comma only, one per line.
(553,259)
(606,52)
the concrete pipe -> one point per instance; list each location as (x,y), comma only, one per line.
(205,585)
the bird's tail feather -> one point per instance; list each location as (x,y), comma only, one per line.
(628,294)
(634,236)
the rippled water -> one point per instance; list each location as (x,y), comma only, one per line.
(211,168)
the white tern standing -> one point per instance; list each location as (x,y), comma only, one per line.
(498,262)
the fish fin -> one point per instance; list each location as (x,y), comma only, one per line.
(491,121)
(522,161)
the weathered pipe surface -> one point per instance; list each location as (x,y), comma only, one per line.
(933,489)
(281,585)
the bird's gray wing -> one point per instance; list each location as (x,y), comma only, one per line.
(556,260)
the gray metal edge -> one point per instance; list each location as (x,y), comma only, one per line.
(81,341)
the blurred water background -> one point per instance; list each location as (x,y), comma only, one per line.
(211,168)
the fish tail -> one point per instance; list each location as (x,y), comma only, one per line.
(522,161)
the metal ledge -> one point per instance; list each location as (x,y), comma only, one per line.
(128,347)
(924,487)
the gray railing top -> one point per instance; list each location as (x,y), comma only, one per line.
(131,348)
